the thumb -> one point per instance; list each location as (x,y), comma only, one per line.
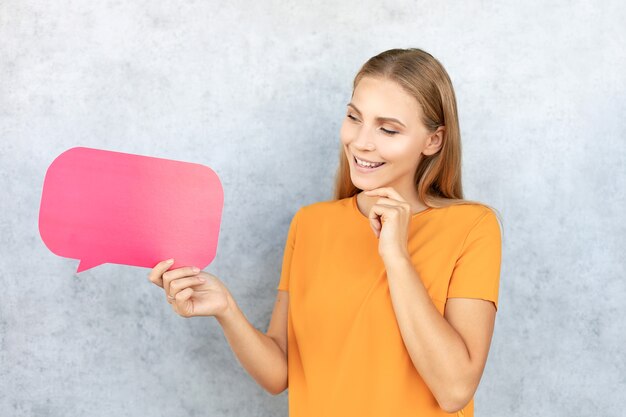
(184,305)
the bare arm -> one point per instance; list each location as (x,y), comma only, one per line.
(453,373)
(197,293)
(264,356)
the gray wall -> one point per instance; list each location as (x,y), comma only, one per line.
(257,91)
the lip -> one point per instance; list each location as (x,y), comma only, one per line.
(365,160)
(364,170)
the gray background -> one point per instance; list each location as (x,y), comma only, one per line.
(257,91)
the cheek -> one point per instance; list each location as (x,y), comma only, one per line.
(398,152)
(346,133)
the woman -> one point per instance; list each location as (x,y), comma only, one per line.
(388,293)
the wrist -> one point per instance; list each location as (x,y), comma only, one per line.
(396,257)
(229,313)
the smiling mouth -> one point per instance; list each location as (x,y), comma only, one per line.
(363,167)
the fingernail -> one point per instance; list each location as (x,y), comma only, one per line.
(169,261)
(195,269)
(201,279)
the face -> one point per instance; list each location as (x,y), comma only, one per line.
(382,124)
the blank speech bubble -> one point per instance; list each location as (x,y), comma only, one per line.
(111,207)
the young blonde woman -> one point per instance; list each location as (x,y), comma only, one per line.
(388,293)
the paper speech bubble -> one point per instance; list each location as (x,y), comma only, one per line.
(111,207)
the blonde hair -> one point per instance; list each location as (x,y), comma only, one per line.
(438,176)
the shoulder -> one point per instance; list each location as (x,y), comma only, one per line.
(469,215)
(473,211)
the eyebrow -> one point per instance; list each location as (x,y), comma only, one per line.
(379,118)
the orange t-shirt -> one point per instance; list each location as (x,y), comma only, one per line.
(346,355)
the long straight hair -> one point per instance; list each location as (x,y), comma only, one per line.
(437,177)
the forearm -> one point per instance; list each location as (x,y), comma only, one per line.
(258,353)
(435,347)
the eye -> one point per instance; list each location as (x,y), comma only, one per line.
(388,132)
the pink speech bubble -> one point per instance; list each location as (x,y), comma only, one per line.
(111,207)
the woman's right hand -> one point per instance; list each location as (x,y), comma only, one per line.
(191,292)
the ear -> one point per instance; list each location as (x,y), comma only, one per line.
(434,141)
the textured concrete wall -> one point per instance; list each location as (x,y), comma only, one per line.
(257,91)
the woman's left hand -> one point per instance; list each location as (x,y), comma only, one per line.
(389,218)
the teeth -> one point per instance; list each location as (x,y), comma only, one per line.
(367,164)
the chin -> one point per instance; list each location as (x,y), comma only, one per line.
(365,187)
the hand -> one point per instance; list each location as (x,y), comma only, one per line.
(389,218)
(191,292)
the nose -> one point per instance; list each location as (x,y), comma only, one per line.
(363,140)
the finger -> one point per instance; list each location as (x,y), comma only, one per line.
(183,304)
(379,213)
(177,273)
(181,284)
(390,202)
(375,222)
(385,192)
(402,205)
(155,275)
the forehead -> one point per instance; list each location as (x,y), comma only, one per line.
(383,97)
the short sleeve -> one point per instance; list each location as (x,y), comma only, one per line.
(288,254)
(476,273)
